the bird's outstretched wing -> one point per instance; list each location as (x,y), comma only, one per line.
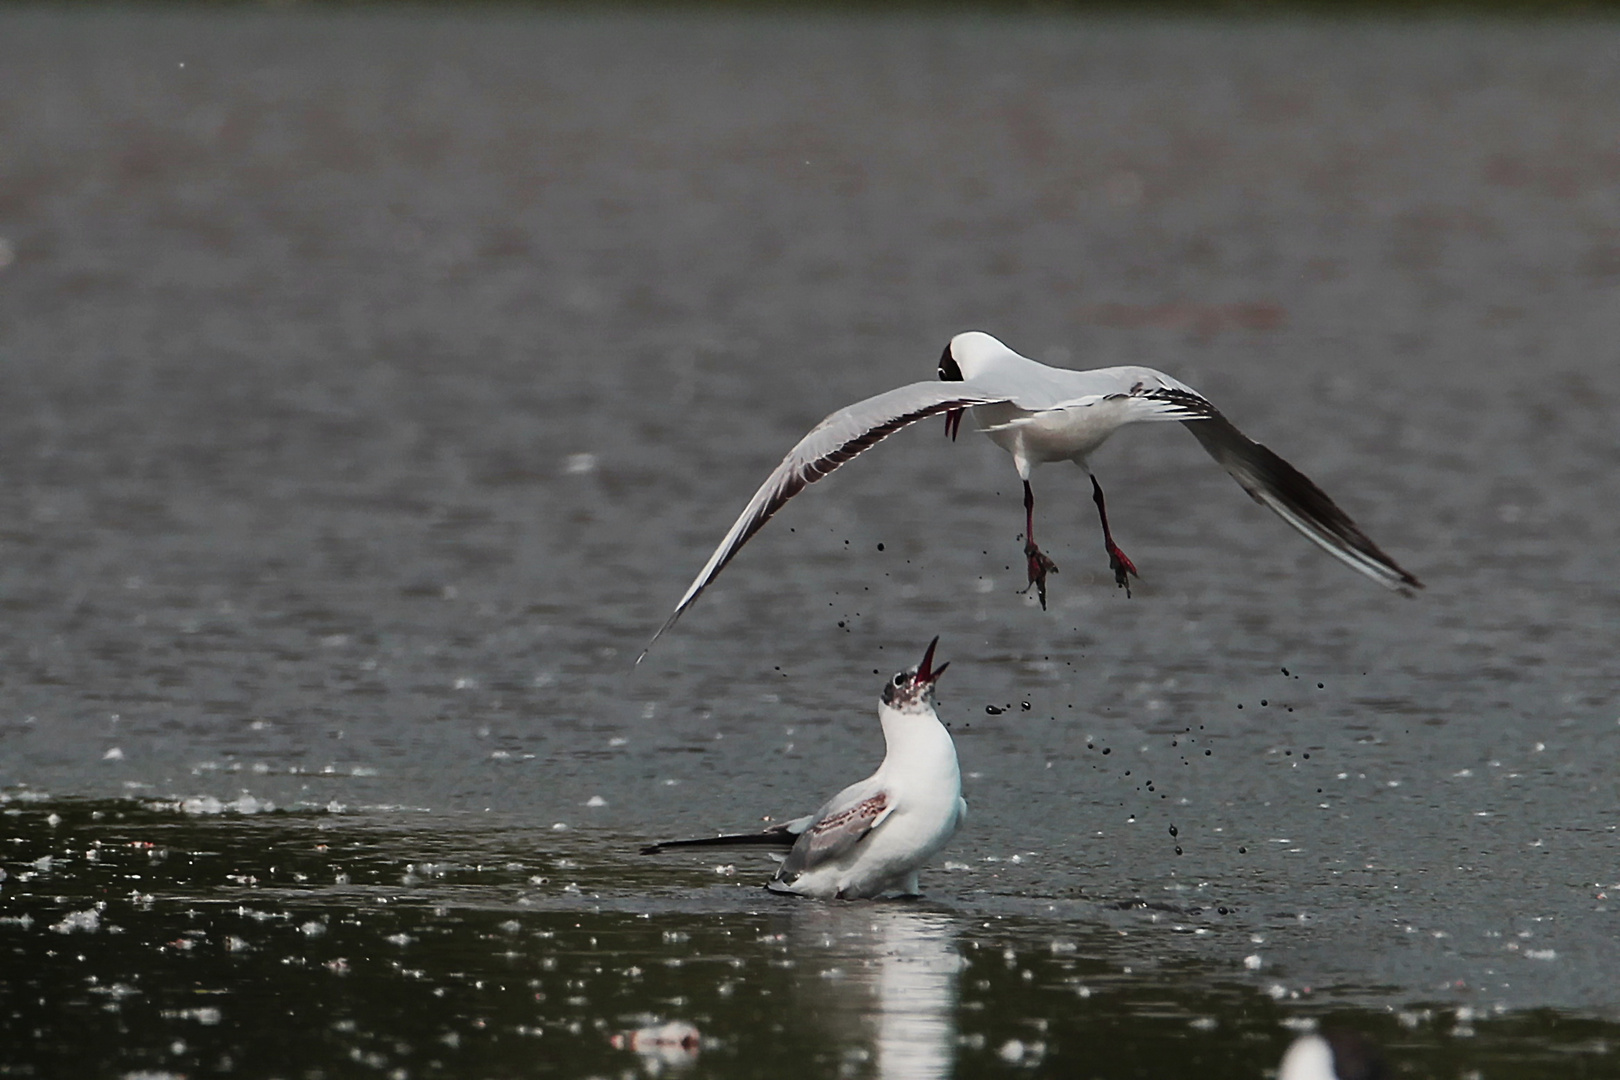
(1142,394)
(1273,482)
(1145,394)
(1134,394)
(829,444)
(839,827)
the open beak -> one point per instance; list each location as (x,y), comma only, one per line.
(926,672)
(953,424)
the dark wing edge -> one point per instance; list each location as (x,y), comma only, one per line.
(1274,483)
(840,437)
(783,834)
(1177,403)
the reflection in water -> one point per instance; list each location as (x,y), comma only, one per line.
(917,974)
(1333,1054)
(673,1045)
(891,973)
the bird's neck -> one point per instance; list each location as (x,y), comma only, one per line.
(918,745)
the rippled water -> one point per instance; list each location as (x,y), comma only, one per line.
(374,382)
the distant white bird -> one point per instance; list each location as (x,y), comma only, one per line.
(1039,414)
(1335,1054)
(875,835)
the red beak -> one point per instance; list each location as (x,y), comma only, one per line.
(953,422)
(926,674)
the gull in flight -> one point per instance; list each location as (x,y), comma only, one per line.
(876,834)
(1039,414)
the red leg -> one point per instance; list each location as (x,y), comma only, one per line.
(1039,565)
(1122,567)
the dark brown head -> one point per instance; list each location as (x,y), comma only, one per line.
(910,690)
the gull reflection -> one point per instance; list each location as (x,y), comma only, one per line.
(888,975)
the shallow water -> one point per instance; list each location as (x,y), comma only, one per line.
(310,944)
(373,384)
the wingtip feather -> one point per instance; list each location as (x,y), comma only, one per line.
(1275,483)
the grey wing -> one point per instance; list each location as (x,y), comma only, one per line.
(1131,394)
(829,444)
(839,826)
(1274,483)
(1143,393)
(1269,480)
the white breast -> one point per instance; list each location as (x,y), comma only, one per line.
(1033,438)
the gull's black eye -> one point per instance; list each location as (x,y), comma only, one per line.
(900,679)
(948,371)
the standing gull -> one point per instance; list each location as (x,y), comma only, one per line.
(1039,414)
(876,834)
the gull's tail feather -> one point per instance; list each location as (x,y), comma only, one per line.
(782,835)
(1273,482)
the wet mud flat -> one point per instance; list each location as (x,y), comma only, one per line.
(373,382)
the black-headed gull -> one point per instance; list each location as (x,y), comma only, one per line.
(1039,414)
(875,835)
